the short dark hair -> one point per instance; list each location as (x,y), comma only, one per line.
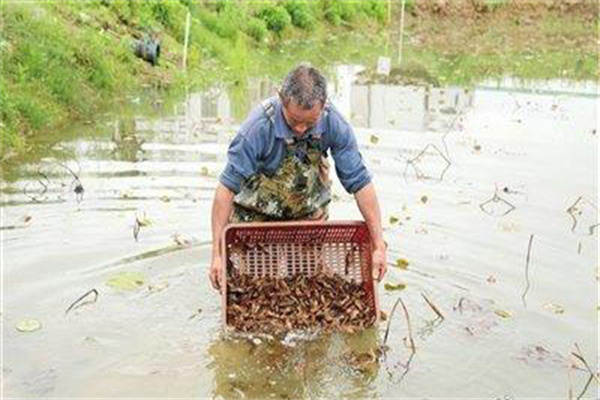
(304,85)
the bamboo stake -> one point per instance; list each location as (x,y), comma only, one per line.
(401,33)
(186,40)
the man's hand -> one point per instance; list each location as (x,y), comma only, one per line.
(369,208)
(215,273)
(222,207)
(379,263)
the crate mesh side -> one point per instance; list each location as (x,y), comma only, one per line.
(280,251)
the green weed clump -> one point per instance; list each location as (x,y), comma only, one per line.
(375,9)
(339,12)
(276,17)
(301,14)
(257,29)
(220,24)
(48,71)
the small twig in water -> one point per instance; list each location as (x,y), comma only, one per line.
(497,199)
(195,314)
(517,104)
(528,284)
(458,114)
(570,376)
(79,302)
(411,341)
(585,388)
(44,183)
(410,335)
(138,224)
(459,305)
(592,376)
(419,175)
(575,210)
(580,357)
(433,307)
(387,329)
(76,184)
(136,228)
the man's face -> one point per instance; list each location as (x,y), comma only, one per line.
(300,120)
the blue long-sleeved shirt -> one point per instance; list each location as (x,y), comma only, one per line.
(259,146)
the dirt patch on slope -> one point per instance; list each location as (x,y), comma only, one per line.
(478,8)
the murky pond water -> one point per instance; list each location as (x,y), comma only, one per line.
(472,183)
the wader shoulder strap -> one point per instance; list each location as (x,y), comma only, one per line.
(269,109)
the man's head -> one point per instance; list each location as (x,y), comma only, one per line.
(303,94)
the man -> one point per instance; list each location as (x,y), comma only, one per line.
(277,169)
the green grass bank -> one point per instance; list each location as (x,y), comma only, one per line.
(61,61)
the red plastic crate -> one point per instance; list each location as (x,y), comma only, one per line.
(281,249)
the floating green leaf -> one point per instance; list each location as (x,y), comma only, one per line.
(28,325)
(394,220)
(401,263)
(129,280)
(503,313)
(555,308)
(397,286)
(374,139)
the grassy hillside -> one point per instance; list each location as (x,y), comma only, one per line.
(62,60)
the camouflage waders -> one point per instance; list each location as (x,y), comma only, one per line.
(300,189)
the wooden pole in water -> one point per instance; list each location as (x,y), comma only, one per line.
(401,33)
(186,40)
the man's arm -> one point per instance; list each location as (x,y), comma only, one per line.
(366,199)
(242,162)
(221,211)
(356,179)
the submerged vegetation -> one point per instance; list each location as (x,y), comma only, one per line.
(62,61)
